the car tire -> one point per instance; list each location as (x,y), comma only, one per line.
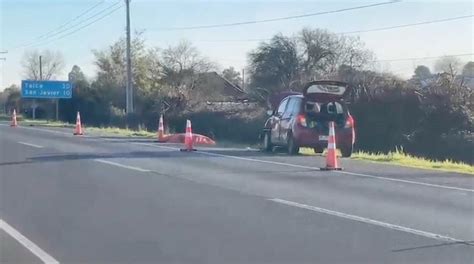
(346,151)
(318,150)
(293,149)
(267,142)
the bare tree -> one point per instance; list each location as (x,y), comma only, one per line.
(448,64)
(232,76)
(52,64)
(468,69)
(323,52)
(181,65)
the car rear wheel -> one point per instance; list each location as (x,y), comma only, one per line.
(346,151)
(293,149)
(267,142)
(318,150)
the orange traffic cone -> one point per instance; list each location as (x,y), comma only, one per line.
(78,129)
(188,138)
(161,130)
(331,156)
(14,123)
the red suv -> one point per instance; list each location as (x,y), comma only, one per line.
(302,120)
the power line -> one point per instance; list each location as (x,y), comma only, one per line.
(408,25)
(72,20)
(358,31)
(34,43)
(392,60)
(425,58)
(82,27)
(276,19)
(24,44)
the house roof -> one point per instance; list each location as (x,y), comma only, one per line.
(221,85)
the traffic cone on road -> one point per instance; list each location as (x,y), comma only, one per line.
(161,130)
(14,122)
(331,157)
(78,130)
(188,138)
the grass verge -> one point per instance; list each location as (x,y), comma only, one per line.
(399,157)
(107,131)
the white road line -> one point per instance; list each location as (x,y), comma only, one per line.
(292,165)
(121,165)
(368,221)
(316,168)
(406,181)
(156,146)
(49,131)
(37,251)
(30,145)
(43,130)
(234,157)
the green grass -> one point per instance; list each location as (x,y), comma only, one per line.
(45,123)
(399,157)
(120,132)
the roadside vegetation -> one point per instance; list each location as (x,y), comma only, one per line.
(399,157)
(396,157)
(430,114)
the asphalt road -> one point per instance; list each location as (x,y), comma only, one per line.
(91,199)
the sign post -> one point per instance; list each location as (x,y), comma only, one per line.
(46,90)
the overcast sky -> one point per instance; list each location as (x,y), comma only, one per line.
(23,22)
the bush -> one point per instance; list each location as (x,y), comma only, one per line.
(221,126)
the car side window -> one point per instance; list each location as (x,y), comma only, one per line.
(296,106)
(282,107)
(293,107)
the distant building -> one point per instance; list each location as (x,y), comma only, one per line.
(216,94)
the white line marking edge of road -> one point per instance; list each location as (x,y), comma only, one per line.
(37,251)
(121,165)
(290,165)
(368,221)
(316,168)
(29,144)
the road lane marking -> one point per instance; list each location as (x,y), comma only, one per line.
(406,181)
(293,165)
(30,145)
(43,130)
(37,251)
(234,157)
(368,221)
(49,131)
(121,165)
(151,145)
(316,168)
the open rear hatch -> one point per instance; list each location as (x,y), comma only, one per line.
(323,104)
(325,91)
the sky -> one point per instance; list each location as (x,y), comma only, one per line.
(27,25)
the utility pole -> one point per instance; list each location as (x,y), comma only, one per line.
(4,59)
(129,88)
(243,79)
(33,107)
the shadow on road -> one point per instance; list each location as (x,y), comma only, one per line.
(144,154)
(465,243)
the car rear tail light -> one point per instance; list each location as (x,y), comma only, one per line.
(349,122)
(301,120)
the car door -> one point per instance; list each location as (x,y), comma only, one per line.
(276,122)
(287,118)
